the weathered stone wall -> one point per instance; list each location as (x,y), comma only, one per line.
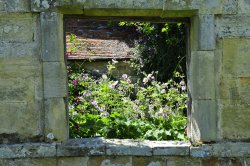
(100,152)
(33,89)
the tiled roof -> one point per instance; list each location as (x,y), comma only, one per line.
(98,40)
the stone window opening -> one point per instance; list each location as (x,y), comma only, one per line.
(84,55)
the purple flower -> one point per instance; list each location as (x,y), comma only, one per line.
(114,84)
(75,82)
(68,53)
(94,103)
(124,76)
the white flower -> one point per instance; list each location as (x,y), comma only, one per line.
(104,76)
(87,93)
(114,84)
(104,114)
(124,76)
(101,109)
(94,103)
(183,88)
(114,61)
(145,80)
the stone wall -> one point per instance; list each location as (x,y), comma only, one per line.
(33,105)
(100,152)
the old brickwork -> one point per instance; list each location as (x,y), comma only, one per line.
(34,93)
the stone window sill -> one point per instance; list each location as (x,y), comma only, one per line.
(116,147)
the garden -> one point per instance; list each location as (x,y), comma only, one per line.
(152,107)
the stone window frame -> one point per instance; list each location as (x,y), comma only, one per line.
(202,126)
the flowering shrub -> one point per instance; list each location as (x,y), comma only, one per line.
(100,106)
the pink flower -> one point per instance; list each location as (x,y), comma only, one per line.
(75,82)
(68,54)
(124,76)
(114,84)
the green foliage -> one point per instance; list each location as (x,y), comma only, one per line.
(146,109)
(161,47)
(153,107)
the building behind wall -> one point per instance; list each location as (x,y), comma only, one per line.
(33,85)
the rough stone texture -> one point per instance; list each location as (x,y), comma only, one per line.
(33,83)
(169,148)
(56,126)
(29,162)
(27,150)
(221,150)
(232,26)
(14,6)
(54,79)
(86,152)
(202,75)
(20,78)
(236,57)
(203,112)
(203,121)
(73,161)
(206,32)
(52,37)
(82,147)
(128,147)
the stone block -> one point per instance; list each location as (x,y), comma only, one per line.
(18,27)
(206,32)
(244,90)
(52,37)
(148,161)
(120,4)
(244,7)
(194,34)
(202,75)
(56,125)
(169,148)
(247,161)
(44,5)
(232,26)
(128,147)
(181,5)
(14,6)
(73,161)
(82,147)
(20,121)
(110,161)
(234,120)
(27,150)
(178,161)
(231,150)
(17,89)
(20,67)
(203,121)
(228,88)
(203,151)
(55,79)
(221,150)
(30,162)
(236,61)
(20,50)
(229,6)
